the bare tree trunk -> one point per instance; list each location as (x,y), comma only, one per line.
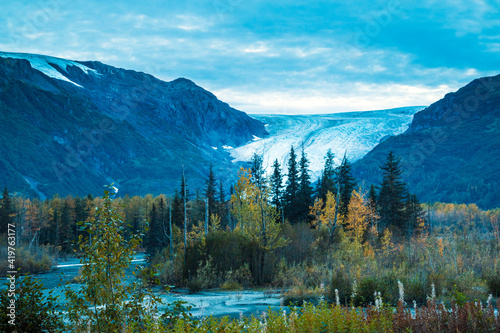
(206,216)
(170,229)
(185,218)
(336,210)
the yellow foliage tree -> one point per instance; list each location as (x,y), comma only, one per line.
(359,217)
(255,217)
(325,214)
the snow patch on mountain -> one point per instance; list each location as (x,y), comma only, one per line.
(354,133)
(45,64)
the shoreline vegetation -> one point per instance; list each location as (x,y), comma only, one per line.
(346,259)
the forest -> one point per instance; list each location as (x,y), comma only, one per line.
(330,249)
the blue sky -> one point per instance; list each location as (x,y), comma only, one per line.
(279,56)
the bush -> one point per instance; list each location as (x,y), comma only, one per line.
(231,285)
(493,283)
(29,261)
(366,289)
(342,281)
(169,271)
(34,312)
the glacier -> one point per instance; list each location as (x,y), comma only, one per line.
(45,64)
(353,133)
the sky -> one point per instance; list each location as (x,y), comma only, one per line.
(283,56)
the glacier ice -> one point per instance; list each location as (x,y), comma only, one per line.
(354,133)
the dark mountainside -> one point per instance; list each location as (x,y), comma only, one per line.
(120,126)
(451,151)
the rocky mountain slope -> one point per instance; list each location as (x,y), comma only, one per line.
(451,151)
(70,127)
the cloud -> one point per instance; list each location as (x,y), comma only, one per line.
(296,56)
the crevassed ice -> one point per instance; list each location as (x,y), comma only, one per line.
(354,133)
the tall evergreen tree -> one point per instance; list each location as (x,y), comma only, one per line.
(372,196)
(373,208)
(346,184)
(222,192)
(152,243)
(210,189)
(415,216)
(276,181)
(292,188)
(222,204)
(327,180)
(393,194)
(257,170)
(163,221)
(177,211)
(305,189)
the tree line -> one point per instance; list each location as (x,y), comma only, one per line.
(53,221)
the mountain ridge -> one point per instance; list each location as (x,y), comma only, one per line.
(99,124)
(451,150)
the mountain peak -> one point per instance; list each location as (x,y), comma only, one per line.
(184,81)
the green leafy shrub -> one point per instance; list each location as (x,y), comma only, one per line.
(34,311)
(106,303)
(29,261)
(343,282)
(493,282)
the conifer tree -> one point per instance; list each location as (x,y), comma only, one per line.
(222,192)
(346,184)
(177,211)
(257,170)
(276,181)
(222,204)
(292,188)
(393,194)
(327,180)
(415,215)
(372,196)
(305,189)
(210,189)
(373,208)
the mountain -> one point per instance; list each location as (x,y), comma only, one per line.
(354,133)
(451,150)
(69,127)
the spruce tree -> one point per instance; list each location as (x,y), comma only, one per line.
(305,189)
(210,188)
(346,184)
(152,242)
(276,181)
(327,180)
(177,211)
(415,216)
(393,194)
(257,170)
(222,204)
(292,188)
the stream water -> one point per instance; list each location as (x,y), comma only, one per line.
(206,303)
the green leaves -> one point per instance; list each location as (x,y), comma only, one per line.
(106,302)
